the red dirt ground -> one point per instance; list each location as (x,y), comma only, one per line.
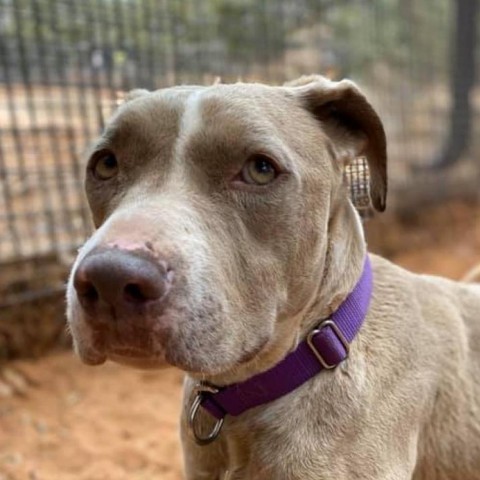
(112,423)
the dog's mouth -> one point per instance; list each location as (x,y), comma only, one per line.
(136,359)
(157,347)
(90,355)
(99,351)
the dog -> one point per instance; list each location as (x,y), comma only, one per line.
(226,242)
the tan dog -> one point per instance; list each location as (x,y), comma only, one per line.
(224,234)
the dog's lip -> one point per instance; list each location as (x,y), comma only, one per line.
(136,359)
(121,354)
(126,351)
(91,356)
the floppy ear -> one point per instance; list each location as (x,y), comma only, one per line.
(352,122)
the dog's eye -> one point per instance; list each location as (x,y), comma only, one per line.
(105,166)
(259,170)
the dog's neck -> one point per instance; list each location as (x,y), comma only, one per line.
(342,266)
(344,259)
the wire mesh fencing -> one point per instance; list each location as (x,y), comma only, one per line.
(64,62)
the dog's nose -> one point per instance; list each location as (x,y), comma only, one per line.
(121,278)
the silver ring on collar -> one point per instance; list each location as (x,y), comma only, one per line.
(200,390)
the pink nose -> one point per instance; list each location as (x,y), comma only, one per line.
(121,279)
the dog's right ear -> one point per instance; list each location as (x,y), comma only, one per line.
(346,115)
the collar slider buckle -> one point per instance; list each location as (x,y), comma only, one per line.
(327,323)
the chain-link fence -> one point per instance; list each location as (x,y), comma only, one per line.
(63,62)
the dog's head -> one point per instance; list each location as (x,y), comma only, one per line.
(213,207)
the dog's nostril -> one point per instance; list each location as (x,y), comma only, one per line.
(133,293)
(90,294)
(86,291)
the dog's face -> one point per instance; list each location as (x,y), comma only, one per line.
(212,207)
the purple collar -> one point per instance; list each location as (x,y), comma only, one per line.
(323,349)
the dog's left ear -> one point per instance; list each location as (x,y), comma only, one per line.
(346,114)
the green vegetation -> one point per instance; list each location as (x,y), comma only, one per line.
(200,35)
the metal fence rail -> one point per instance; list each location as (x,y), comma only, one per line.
(62,63)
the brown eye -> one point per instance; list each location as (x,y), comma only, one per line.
(259,170)
(105,166)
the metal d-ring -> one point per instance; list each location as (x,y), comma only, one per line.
(200,390)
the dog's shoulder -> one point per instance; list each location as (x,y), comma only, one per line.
(432,311)
(425,287)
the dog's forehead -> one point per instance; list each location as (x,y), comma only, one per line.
(185,107)
(159,109)
(202,123)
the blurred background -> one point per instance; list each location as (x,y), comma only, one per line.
(63,66)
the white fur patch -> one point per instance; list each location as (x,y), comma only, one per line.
(191,120)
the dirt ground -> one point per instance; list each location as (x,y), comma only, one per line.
(81,423)
(114,423)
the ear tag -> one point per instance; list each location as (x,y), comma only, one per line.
(357,176)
